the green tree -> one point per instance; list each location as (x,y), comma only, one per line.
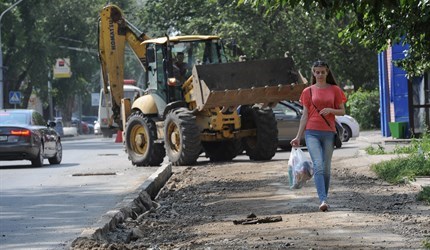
(23,57)
(307,36)
(34,35)
(72,29)
(373,24)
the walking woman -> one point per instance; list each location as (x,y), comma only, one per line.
(322,101)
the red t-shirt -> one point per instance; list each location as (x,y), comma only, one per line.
(330,97)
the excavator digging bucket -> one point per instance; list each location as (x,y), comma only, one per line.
(241,83)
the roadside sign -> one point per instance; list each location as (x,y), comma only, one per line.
(62,68)
(95,98)
(15,97)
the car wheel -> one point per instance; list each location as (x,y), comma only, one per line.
(347,133)
(38,161)
(58,154)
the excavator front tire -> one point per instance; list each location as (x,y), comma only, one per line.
(140,137)
(263,146)
(181,137)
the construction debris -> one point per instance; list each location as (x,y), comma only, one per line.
(256,220)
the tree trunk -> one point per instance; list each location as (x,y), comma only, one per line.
(68,110)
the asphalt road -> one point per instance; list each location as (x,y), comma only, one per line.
(46,208)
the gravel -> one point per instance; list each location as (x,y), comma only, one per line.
(198,206)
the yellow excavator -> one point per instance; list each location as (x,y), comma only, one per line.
(195,101)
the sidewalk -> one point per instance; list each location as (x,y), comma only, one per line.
(374,137)
(198,206)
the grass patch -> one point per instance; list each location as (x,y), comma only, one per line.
(420,145)
(424,195)
(416,146)
(402,169)
(379,150)
(426,243)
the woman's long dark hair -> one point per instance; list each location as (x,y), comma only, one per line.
(330,77)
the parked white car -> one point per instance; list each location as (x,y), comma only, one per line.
(350,126)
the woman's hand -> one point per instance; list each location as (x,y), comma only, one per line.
(339,111)
(326,111)
(295,142)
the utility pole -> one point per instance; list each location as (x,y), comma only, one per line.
(51,106)
(1,54)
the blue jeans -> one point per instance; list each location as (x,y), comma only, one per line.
(320,148)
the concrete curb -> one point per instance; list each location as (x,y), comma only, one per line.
(132,205)
(421,182)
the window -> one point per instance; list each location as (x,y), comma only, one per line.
(13,118)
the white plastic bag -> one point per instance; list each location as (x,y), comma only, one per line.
(300,168)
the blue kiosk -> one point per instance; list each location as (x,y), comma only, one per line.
(405,103)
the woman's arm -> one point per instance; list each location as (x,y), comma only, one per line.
(339,111)
(303,120)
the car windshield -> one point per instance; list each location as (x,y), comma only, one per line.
(13,118)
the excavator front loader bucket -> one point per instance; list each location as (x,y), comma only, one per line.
(240,83)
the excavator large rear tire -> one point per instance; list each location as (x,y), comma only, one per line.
(181,137)
(263,146)
(222,150)
(140,137)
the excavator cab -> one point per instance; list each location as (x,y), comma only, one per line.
(170,62)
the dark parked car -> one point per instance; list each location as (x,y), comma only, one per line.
(25,135)
(288,115)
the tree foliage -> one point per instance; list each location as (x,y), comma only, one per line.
(36,32)
(305,35)
(373,24)
(35,35)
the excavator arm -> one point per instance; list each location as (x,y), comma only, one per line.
(114,32)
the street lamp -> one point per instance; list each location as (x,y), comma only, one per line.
(1,54)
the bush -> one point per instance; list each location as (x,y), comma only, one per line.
(364,107)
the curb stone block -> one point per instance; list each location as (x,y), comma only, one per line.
(133,204)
